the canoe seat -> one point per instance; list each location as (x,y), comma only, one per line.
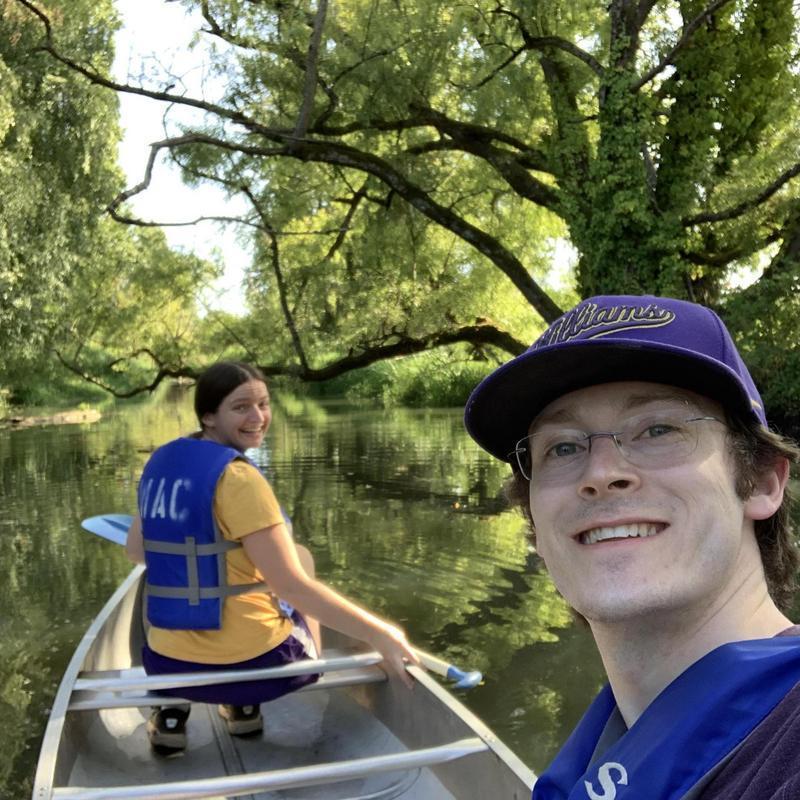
(84,700)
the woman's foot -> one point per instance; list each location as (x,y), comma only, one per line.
(242,720)
(166,730)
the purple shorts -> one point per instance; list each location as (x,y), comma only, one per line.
(297,647)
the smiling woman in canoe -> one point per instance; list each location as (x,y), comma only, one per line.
(219,555)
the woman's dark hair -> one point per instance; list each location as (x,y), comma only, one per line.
(218,381)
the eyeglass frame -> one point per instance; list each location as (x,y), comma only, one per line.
(613,435)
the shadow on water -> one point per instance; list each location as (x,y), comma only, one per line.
(401,510)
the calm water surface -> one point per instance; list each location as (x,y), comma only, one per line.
(401,510)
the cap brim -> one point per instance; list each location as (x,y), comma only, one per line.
(502,407)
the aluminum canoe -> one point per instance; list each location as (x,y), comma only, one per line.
(352,736)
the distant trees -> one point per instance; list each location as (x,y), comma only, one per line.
(74,284)
(410,168)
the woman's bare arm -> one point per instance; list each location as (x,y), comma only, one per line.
(134,545)
(273,552)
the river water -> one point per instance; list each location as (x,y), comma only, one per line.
(402,511)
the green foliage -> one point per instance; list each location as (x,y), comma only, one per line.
(76,286)
(411,178)
(58,136)
(530,122)
(763,318)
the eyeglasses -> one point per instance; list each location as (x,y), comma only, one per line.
(650,440)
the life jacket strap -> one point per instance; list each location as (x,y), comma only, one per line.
(185,549)
(203,592)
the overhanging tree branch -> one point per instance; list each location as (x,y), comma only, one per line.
(479,334)
(747,205)
(323,152)
(425,116)
(96,78)
(345,156)
(163,372)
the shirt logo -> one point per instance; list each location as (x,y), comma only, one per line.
(607,783)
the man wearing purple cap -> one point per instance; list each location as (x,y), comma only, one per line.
(642,459)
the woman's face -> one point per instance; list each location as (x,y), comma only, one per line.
(242,418)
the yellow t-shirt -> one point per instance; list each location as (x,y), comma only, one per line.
(251,623)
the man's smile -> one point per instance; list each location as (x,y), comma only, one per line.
(603,533)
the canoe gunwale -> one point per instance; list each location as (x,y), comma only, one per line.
(45,778)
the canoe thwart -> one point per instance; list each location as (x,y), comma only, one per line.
(313,775)
(92,701)
(148,683)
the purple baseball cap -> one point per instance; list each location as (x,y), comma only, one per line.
(612,338)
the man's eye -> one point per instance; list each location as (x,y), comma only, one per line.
(563,450)
(659,429)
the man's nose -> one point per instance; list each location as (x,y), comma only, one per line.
(606,468)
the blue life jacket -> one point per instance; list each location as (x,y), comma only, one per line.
(186,578)
(675,747)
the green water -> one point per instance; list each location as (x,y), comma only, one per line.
(400,509)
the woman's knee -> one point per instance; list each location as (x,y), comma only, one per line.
(306,559)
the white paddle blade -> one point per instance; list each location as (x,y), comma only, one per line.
(113,527)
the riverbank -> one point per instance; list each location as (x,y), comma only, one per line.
(70,417)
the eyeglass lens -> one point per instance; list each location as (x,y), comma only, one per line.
(650,441)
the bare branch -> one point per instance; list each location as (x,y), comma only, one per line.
(547,42)
(479,334)
(162,373)
(728,256)
(747,205)
(515,54)
(688,31)
(309,88)
(216,30)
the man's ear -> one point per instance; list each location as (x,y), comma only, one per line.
(767,494)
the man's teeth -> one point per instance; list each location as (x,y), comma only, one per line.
(639,529)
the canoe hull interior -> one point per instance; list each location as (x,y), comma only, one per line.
(104,752)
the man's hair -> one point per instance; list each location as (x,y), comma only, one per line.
(754,450)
